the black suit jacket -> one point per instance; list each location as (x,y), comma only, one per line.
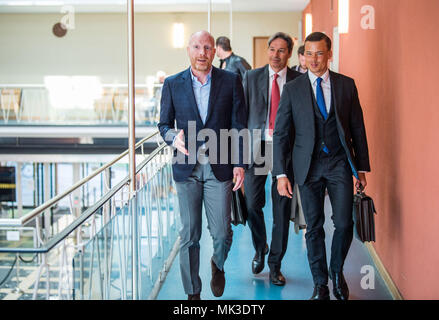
(296,114)
(256,87)
(226,110)
(236,64)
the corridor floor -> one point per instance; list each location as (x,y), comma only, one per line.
(241,284)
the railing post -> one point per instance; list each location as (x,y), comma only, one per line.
(132,142)
(46,190)
(209,15)
(231,20)
(19,188)
(81,273)
(76,207)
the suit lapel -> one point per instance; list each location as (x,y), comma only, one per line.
(263,84)
(306,95)
(189,92)
(337,93)
(215,84)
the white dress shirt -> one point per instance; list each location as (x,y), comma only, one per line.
(326,87)
(281,80)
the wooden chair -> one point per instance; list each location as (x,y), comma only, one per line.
(10,99)
(120,105)
(104,106)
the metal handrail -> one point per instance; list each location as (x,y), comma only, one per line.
(86,214)
(38,210)
(119,85)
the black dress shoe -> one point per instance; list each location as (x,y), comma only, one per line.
(218,281)
(259,260)
(320,293)
(340,287)
(277,278)
(193,297)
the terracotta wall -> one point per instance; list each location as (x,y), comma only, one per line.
(396,70)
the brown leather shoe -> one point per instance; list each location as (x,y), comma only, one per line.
(218,281)
(277,278)
(193,296)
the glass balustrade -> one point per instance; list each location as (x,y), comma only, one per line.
(103,269)
(77,101)
(90,254)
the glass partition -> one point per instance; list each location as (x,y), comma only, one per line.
(65,63)
(77,101)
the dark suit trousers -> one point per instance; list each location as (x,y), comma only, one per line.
(254,187)
(333,173)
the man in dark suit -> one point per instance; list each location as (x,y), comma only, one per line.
(228,60)
(329,146)
(201,101)
(262,90)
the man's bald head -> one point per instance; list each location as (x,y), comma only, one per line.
(201,51)
(201,34)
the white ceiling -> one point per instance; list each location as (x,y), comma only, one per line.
(10,6)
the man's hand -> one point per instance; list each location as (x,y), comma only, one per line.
(361,180)
(179,143)
(238,177)
(284,187)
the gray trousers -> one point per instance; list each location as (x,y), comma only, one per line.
(203,188)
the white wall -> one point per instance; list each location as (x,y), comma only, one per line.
(97,45)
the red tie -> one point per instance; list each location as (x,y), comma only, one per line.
(275,98)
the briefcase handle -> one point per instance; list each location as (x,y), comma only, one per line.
(360,189)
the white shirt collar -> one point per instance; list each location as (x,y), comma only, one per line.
(209,75)
(313,77)
(282,73)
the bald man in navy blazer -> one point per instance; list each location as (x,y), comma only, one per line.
(209,100)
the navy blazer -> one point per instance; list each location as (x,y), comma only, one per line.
(226,110)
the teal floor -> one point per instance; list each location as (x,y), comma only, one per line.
(241,284)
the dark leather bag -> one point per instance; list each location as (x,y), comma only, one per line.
(364,216)
(239,208)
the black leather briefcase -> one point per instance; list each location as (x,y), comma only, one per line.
(239,208)
(364,216)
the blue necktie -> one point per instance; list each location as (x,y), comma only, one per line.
(322,105)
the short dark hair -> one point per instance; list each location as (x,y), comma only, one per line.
(283,36)
(319,36)
(301,50)
(224,43)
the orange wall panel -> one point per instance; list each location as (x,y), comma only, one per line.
(396,71)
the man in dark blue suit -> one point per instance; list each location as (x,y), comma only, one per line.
(197,106)
(328,145)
